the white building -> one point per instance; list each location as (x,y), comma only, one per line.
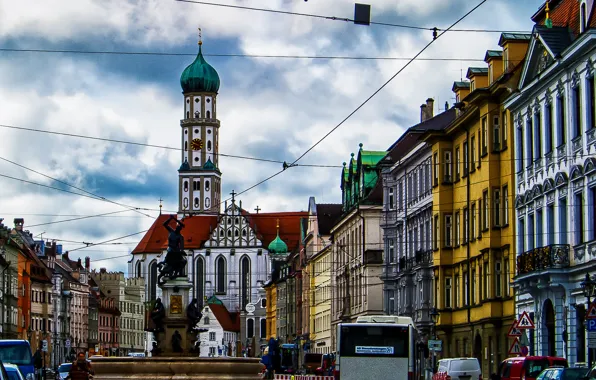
(222,328)
(555,114)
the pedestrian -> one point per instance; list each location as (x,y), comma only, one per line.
(81,369)
(267,361)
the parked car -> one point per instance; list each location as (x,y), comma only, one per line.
(458,369)
(13,372)
(528,367)
(560,373)
(64,370)
(18,352)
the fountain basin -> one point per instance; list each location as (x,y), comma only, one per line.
(176,368)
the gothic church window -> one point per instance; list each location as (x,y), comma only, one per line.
(200,279)
(245,281)
(153,281)
(220,274)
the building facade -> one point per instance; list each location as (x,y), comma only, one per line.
(473,237)
(9,287)
(407,219)
(555,207)
(357,254)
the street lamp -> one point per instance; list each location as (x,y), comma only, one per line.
(589,289)
(434,315)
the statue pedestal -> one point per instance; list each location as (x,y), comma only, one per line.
(175,300)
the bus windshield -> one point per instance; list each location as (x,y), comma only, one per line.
(374,341)
(17,353)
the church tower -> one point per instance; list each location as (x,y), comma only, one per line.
(199,179)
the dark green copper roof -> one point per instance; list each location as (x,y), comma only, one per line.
(209,165)
(199,76)
(277,246)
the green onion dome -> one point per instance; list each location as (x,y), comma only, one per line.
(199,76)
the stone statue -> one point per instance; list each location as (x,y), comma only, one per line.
(175,262)
(155,351)
(157,315)
(177,342)
(193,313)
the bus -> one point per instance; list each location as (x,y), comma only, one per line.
(376,347)
(18,352)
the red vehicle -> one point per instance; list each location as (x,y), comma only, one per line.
(528,367)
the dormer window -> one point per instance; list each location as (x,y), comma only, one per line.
(472,85)
(505,59)
(582,16)
(490,73)
(457,97)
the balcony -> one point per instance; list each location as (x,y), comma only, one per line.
(421,258)
(554,256)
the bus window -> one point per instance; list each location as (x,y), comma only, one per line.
(371,341)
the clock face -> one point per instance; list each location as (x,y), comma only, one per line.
(196,144)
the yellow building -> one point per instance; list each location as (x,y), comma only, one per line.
(320,308)
(271,309)
(473,189)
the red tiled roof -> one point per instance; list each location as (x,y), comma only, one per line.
(197,230)
(228,321)
(565,13)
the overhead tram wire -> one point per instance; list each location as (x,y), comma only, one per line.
(150,145)
(344,19)
(130,208)
(79,218)
(387,82)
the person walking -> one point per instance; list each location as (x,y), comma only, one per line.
(81,369)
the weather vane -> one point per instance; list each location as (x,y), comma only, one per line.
(200,37)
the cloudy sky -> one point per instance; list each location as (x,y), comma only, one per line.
(271,108)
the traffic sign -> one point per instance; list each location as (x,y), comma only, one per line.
(435,345)
(591,312)
(516,348)
(44,345)
(67,343)
(514,331)
(591,324)
(525,322)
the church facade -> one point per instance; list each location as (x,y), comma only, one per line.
(227,252)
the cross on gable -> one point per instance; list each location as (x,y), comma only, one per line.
(233,194)
(257,209)
(160,205)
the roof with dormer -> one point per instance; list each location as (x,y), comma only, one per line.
(565,13)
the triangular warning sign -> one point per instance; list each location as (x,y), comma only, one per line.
(592,312)
(515,348)
(514,331)
(525,322)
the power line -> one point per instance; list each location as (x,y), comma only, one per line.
(79,218)
(233,55)
(344,19)
(151,145)
(386,83)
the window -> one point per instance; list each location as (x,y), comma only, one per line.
(472,85)
(591,101)
(200,279)
(537,134)
(474,225)
(245,282)
(496,134)
(577,112)
(498,280)
(447,169)
(504,119)
(505,206)
(263,329)
(484,135)
(550,225)
(592,213)
(490,73)
(505,59)
(456,231)
(507,273)
(466,290)
(391,199)
(582,18)
(579,220)
(531,234)
(466,158)
(211,349)
(391,250)
(400,195)
(220,273)
(548,135)
(497,207)
(250,328)
(485,219)
(473,153)
(448,230)
(563,221)
(521,241)
(466,225)
(539,228)
(473,285)
(447,292)
(519,147)
(212,336)
(153,281)
(437,231)
(529,142)
(486,281)
(561,120)
(456,294)
(436,168)
(457,163)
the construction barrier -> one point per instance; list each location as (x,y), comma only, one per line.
(303,377)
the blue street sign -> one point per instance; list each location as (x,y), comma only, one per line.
(591,323)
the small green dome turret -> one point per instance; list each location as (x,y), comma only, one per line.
(199,76)
(278,246)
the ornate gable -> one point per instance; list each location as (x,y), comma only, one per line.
(537,191)
(548,185)
(561,179)
(589,165)
(539,59)
(577,172)
(233,230)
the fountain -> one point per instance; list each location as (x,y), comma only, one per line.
(174,319)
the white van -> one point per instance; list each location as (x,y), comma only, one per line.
(458,369)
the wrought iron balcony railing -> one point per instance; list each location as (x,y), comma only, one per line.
(550,257)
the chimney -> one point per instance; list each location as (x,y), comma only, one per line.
(423,113)
(430,108)
(79,264)
(87,262)
(18,224)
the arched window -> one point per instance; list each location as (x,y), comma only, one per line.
(153,281)
(220,274)
(208,114)
(185,185)
(250,328)
(244,281)
(200,280)
(185,145)
(139,269)
(263,332)
(209,146)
